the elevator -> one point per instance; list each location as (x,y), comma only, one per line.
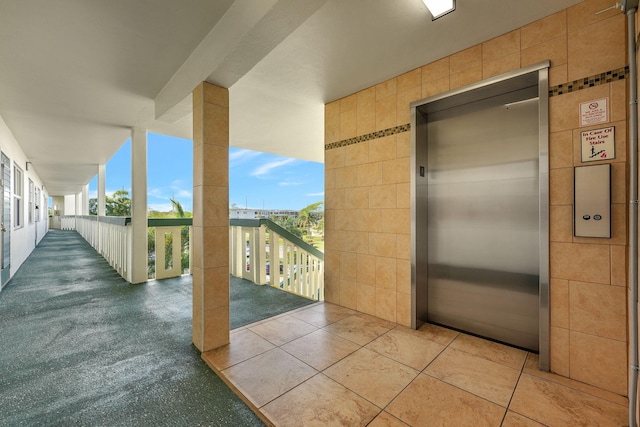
(480,209)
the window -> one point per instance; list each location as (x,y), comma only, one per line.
(18,191)
(32,205)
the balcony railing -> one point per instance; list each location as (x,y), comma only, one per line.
(109,236)
(260,250)
(170,252)
(265,253)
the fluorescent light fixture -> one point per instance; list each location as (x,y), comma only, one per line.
(439,8)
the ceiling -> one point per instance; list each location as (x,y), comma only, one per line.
(77,75)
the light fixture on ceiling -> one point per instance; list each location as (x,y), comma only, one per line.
(439,8)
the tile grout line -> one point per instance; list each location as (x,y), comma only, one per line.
(472,393)
(513,392)
(254,408)
(523,370)
(420,372)
(258,410)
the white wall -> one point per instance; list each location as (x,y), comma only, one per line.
(23,239)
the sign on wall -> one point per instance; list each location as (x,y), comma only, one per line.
(594,112)
(598,144)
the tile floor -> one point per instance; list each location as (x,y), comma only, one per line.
(327,365)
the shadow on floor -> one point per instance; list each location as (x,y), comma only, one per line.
(251,303)
(81,346)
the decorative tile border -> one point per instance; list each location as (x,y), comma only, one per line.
(369,136)
(591,81)
(587,82)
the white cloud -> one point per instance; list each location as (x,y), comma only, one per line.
(288,183)
(164,193)
(156,192)
(266,168)
(160,207)
(178,190)
(316,194)
(177,183)
(237,157)
(169,192)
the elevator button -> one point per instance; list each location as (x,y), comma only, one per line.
(597,217)
(586,217)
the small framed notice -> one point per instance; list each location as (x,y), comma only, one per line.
(594,112)
(598,144)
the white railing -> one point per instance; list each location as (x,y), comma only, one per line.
(168,231)
(259,250)
(265,253)
(67,222)
(87,227)
(109,236)
(114,244)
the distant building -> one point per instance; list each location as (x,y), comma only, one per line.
(260,213)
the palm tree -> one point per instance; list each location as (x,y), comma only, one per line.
(177,207)
(176,211)
(309,216)
(180,213)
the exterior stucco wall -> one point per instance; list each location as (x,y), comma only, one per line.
(23,238)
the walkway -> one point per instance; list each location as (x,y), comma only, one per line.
(80,346)
(329,365)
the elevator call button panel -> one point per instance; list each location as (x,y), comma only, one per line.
(592,204)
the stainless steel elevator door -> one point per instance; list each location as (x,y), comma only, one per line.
(482,217)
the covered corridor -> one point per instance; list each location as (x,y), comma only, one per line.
(81,346)
(229,74)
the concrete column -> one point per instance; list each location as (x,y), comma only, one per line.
(102,174)
(139,225)
(85,200)
(69,205)
(78,206)
(210,216)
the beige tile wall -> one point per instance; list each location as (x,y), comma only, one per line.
(368,194)
(210,242)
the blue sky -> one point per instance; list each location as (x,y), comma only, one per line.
(256,180)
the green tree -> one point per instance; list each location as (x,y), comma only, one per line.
(93,206)
(310,215)
(288,223)
(151,250)
(177,211)
(320,226)
(177,208)
(311,219)
(184,244)
(119,204)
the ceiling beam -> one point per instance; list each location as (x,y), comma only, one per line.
(247,32)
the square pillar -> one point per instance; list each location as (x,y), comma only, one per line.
(210,217)
(85,200)
(78,207)
(102,175)
(139,228)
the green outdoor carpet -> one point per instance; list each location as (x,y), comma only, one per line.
(80,346)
